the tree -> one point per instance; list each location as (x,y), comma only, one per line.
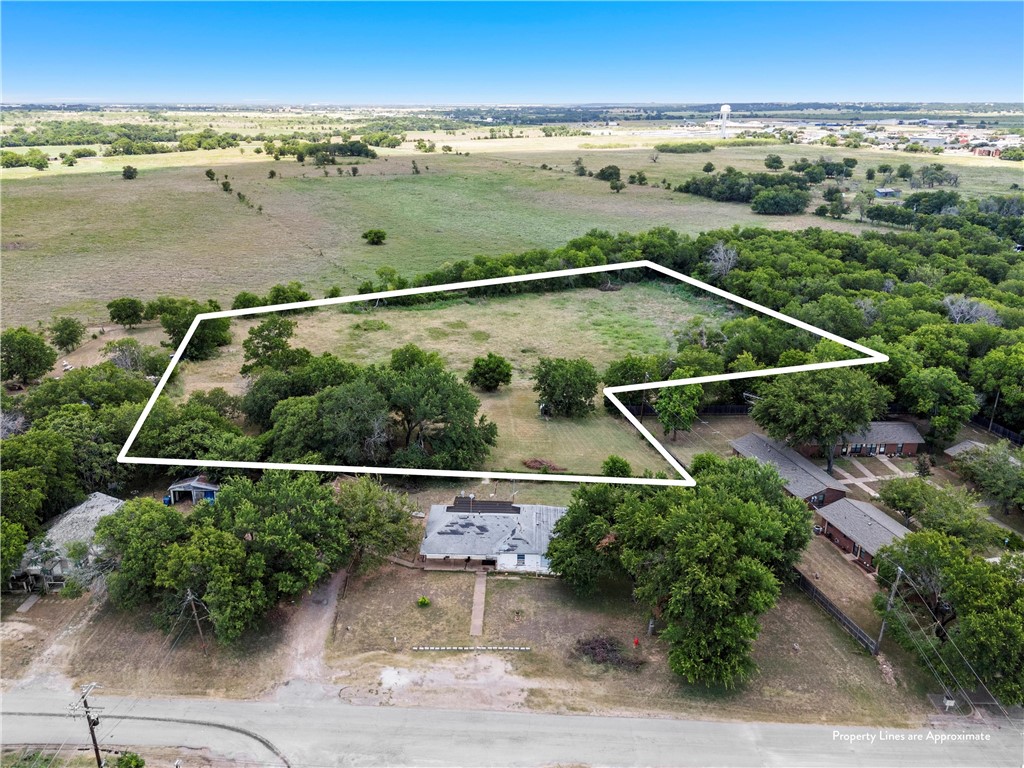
(489,373)
(267,343)
(24,355)
(210,174)
(708,167)
(566,387)
(12,546)
(780,201)
(375,236)
(129,172)
(774,163)
(378,523)
(677,406)
(616,185)
(176,316)
(67,333)
(869,174)
(939,394)
(583,549)
(997,470)
(819,407)
(126,311)
(905,172)
(721,259)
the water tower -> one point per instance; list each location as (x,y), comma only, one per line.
(724,113)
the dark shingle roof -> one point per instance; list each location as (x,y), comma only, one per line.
(864,523)
(883,432)
(802,477)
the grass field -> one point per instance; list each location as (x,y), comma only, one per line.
(600,326)
(75,238)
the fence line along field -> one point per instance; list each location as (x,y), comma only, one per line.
(75,238)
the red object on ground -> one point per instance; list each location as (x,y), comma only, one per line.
(636,642)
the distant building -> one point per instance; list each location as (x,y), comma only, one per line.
(858,528)
(928,141)
(45,566)
(988,151)
(884,437)
(198,488)
(491,535)
(886,192)
(802,478)
(972,445)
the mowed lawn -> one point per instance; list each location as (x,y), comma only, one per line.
(75,238)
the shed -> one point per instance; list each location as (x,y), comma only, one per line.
(803,479)
(858,528)
(886,192)
(198,487)
(496,535)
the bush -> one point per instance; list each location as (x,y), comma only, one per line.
(489,373)
(423,602)
(375,236)
(129,172)
(608,173)
(72,590)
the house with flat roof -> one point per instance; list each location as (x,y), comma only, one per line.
(490,535)
(803,479)
(858,528)
(885,437)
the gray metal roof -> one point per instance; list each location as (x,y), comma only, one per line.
(882,432)
(864,523)
(966,445)
(487,535)
(198,483)
(79,523)
(802,477)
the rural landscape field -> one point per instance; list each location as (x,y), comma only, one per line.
(338,425)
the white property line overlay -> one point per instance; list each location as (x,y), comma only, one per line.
(686,480)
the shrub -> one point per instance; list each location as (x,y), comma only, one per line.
(129,172)
(72,590)
(375,236)
(489,373)
(423,602)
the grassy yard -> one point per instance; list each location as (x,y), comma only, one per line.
(844,583)
(809,669)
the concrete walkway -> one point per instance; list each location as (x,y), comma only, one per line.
(476,625)
(898,472)
(849,479)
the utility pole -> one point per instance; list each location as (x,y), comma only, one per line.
(994,406)
(92,720)
(888,606)
(191,600)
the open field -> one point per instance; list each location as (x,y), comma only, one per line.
(825,679)
(602,326)
(74,238)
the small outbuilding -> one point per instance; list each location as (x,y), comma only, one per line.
(198,488)
(886,192)
(492,535)
(858,528)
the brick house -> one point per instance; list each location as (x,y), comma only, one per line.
(802,478)
(884,437)
(858,528)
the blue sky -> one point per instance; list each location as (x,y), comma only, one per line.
(460,53)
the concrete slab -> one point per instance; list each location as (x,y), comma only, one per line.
(23,608)
(476,624)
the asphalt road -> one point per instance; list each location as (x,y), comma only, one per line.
(307,729)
